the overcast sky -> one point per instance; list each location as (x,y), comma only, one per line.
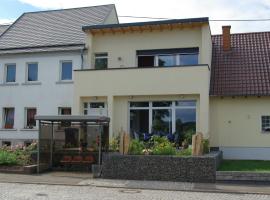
(214,9)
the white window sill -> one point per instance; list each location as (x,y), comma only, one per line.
(64,82)
(29,129)
(8,129)
(265,132)
(10,84)
(32,83)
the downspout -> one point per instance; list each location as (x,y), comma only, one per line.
(82,57)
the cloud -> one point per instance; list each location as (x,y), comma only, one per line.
(221,9)
(6,21)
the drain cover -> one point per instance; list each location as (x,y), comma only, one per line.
(130,191)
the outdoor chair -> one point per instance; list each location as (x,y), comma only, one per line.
(66,159)
(77,159)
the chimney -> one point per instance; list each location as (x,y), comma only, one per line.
(226,35)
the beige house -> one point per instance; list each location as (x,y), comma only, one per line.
(155,77)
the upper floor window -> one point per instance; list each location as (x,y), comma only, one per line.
(265,120)
(167,57)
(101,60)
(10,73)
(66,70)
(30,117)
(32,72)
(64,111)
(8,118)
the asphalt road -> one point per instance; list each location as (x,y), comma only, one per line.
(15,191)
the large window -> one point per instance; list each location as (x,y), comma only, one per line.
(30,117)
(101,61)
(265,123)
(10,73)
(8,118)
(162,117)
(66,70)
(32,72)
(168,57)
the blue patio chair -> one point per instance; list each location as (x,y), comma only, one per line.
(147,137)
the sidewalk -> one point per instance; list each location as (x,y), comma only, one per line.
(85,179)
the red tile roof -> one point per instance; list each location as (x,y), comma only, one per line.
(243,71)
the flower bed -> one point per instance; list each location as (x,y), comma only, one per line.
(18,159)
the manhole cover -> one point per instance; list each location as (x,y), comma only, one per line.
(41,195)
(130,191)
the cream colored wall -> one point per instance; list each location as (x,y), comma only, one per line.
(144,82)
(125,45)
(112,18)
(237,122)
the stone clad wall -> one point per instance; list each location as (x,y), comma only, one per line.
(163,168)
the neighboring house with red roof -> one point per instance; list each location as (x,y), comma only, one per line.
(240,95)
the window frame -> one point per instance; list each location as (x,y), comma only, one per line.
(86,109)
(64,107)
(27,72)
(6,73)
(101,57)
(61,71)
(173,107)
(26,118)
(5,117)
(262,124)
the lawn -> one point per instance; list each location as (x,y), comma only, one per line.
(245,165)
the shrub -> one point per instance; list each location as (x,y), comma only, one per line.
(206,148)
(115,144)
(136,147)
(185,152)
(162,146)
(8,158)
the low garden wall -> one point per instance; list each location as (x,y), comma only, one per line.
(161,168)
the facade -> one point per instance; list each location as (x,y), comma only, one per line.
(139,75)
(38,54)
(151,76)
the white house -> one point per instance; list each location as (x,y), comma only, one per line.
(38,54)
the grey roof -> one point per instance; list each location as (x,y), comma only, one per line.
(73,118)
(3,28)
(172,21)
(52,28)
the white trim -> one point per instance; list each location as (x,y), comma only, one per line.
(26,73)
(60,72)
(5,74)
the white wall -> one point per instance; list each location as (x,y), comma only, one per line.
(46,96)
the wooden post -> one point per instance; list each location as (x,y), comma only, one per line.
(197,144)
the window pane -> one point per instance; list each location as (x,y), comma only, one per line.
(146,61)
(9,117)
(101,61)
(188,59)
(97,105)
(139,123)
(6,143)
(162,104)
(65,111)
(162,121)
(11,73)
(265,123)
(185,103)
(166,60)
(66,71)
(32,72)
(31,113)
(185,123)
(139,104)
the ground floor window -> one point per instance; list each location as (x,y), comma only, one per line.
(9,118)
(95,108)
(6,143)
(30,117)
(163,118)
(265,123)
(64,111)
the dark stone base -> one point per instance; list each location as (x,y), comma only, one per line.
(162,168)
(31,169)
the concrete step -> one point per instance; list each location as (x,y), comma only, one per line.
(242,176)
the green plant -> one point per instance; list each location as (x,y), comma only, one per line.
(136,147)
(185,152)
(162,146)
(188,136)
(206,148)
(8,158)
(115,144)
